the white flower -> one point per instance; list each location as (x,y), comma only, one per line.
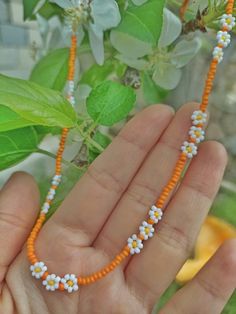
(38,269)
(197,133)
(227,21)
(51,194)
(56,179)
(223,38)
(95,16)
(155,214)
(52,282)
(45,208)
(146,230)
(198,117)
(135,244)
(190,149)
(218,54)
(70,283)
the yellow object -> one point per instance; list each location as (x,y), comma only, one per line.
(213,233)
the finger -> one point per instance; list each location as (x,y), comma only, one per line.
(211,288)
(146,185)
(91,201)
(166,252)
(19,202)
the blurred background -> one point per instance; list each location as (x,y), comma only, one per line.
(22,45)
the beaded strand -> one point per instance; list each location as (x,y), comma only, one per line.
(189,149)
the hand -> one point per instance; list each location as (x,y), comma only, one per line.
(104,208)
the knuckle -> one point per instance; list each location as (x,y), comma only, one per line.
(175,238)
(228,257)
(105,179)
(142,193)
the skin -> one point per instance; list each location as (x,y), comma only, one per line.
(104,208)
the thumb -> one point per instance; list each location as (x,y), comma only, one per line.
(19,202)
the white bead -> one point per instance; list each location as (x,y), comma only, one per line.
(146,230)
(138,244)
(52,191)
(57,177)
(71,84)
(227,21)
(199,117)
(189,149)
(45,208)
(197,134)
(50,197)
(42,269)
(223,38)
(73,279)
(218,54)
(155,214)
(55,285)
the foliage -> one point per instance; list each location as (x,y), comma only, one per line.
(130,50)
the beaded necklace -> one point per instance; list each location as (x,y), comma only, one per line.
(189,148)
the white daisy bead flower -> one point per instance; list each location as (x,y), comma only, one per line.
(56,179)
(52,282)
(218,54)
(70,283)
(223,38)
(155,214)
(146,230)
(199,117)
(190,149)
(198,134)
(45,208)
(38,269)
(135,244)
(51,194)
(227,21)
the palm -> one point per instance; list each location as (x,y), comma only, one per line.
(102,211)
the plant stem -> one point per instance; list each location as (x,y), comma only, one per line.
(49,154)
(86,138)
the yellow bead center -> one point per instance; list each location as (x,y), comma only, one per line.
(38,269)
(228,21)
(147,230)
(70,283)
(197,133)
(199,117)
(51,282)
(156,214)
(134,244)
(189,149)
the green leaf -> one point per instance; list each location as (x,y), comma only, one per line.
(166,75)
(138,64)
(110,102)
(71,175)
(153,94)
(29,6)
(171,29)
(184,51)
(10,120)
(96,74)
(42,131)
(102,140)
(139,29)
(51,71)
(16,145)
(40,105)
(50,9)
(224,207)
